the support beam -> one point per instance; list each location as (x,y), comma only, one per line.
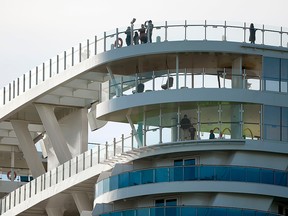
(28,147)
(116,86)
(139,142)
(82,201)
(53,129)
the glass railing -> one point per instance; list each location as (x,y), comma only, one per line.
(165,31)
(189,210)
(185,78)
(192,173)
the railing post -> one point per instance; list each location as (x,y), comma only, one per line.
(263,31)
(205,31)
(30,79)
(122,142)
(244,86)
(72,56)
(160,126)
(64,60)
(14,89)
(98,154)
(76,164)
(91,157)
(166,27)
(281,37)
(83,164)
(117,38)
(80,52)
(36,78)
(114,146)
(56,175)
(4,95)
(95,48)
(88,49)
(106,150)
(203,77)
(18,86)
(105,42)
(69,168)
(132,140)
(57,64)
(185,28)
(244,32)
(43,72)
(50,68)
(24,81)
(225,31)
(9,91)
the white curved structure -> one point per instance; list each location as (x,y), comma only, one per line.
(207,71)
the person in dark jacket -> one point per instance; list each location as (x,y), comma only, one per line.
(185,124)
(128,36)
(212,135)
(143,36)
(252,36)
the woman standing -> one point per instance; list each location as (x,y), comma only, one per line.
(252,36)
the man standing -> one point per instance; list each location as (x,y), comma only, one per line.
(149,26)
(185,125)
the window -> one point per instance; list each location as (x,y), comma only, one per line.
(166,207)
(184,169)
(271,123)
(271,74)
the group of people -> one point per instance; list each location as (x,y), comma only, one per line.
(188,130)
(144,35)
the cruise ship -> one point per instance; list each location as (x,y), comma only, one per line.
(205,107)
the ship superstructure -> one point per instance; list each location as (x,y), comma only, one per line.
(231,159)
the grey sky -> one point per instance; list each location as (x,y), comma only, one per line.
(33,31)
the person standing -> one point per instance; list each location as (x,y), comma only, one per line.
(143,36)
(128,36)
(212,135)
(136,38)
(192,131)
(185,124)
(252,36)
(149,26)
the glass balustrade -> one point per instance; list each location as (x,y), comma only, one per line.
(192,173)
(188,210)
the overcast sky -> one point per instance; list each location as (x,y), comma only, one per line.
(33,31)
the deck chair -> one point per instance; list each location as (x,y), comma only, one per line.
(139,88)
(168,84)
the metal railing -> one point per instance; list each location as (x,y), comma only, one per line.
(172,31)
(76,165)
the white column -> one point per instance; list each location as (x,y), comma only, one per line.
(53,129)
(28,147)
(82,201)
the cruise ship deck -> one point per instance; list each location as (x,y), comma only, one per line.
(208,71)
